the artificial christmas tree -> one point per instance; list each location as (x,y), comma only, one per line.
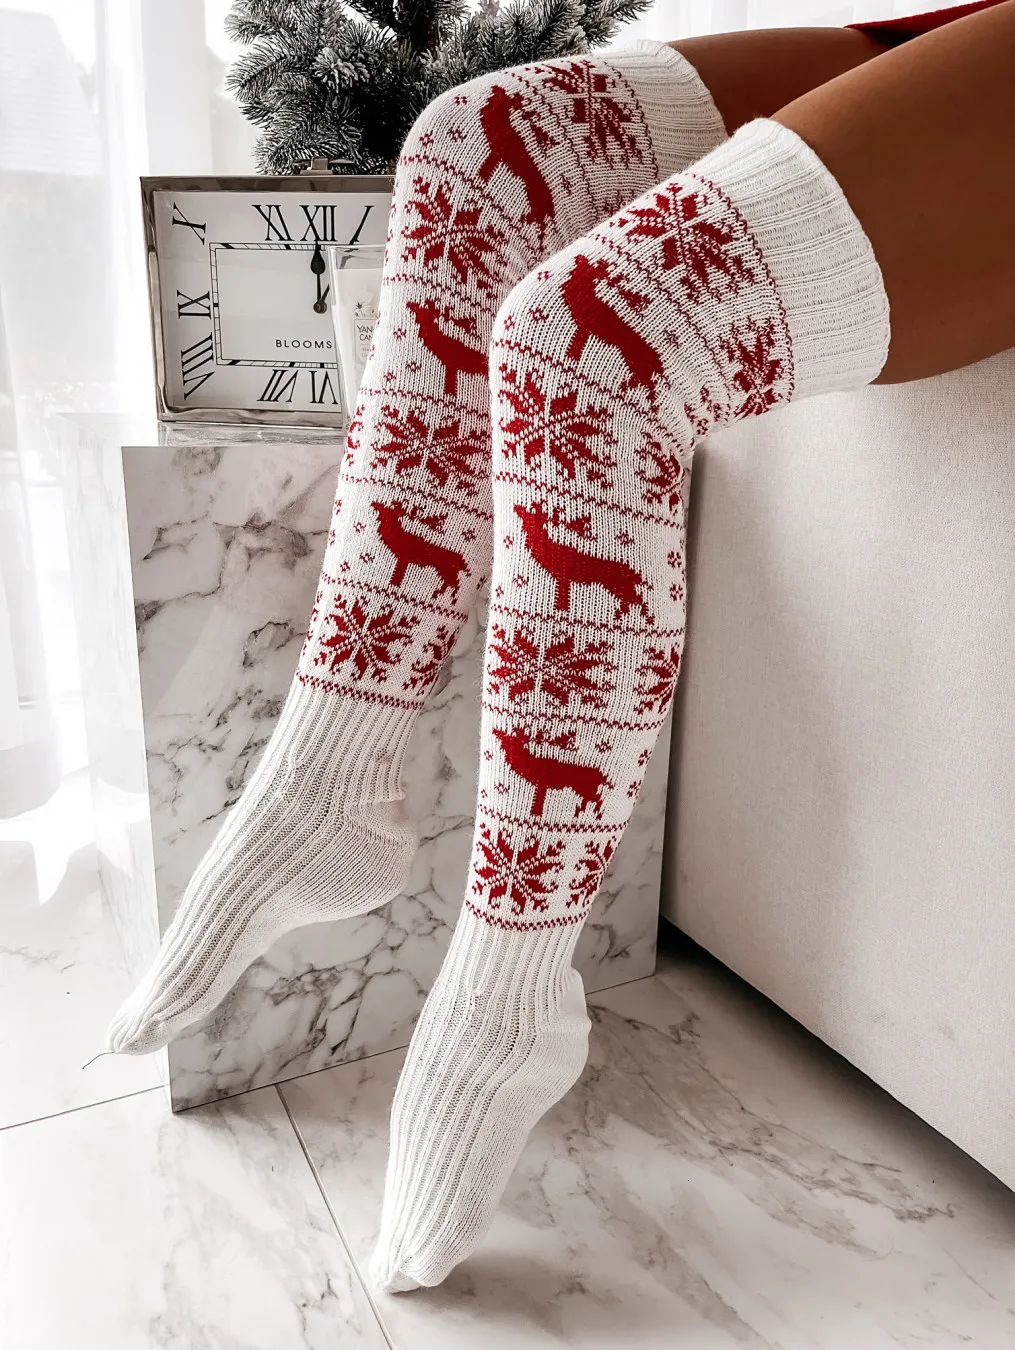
(346,82)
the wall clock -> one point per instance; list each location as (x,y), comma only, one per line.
(240,293)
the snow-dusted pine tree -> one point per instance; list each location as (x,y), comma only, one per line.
(347,81)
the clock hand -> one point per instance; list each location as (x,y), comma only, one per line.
(318,267)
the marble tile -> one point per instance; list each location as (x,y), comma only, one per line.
(718,1179)
(124,1227)
(225,543)
(62,970)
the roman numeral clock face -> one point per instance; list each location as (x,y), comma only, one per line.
(243,299)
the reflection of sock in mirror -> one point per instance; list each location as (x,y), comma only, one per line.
(29,751)
(48,842)
(19,885)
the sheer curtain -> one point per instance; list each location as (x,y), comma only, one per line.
(94,93)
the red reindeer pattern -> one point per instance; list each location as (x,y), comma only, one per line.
(509,149)
(715,348)
(456,356)
(594,318)
(415,550)
(549,774)
(571,566)
(573,692)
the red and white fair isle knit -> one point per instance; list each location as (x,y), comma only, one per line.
(496,175)
(737,285)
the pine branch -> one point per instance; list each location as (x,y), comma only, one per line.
(380,12)
(347,80)
(604,17)
(251,19)
(534,32)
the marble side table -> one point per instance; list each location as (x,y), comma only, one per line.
(195,563)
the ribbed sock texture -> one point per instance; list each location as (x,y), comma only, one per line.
(494,176)
(735,286)
(318,835)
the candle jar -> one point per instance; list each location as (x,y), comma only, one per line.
(355,290)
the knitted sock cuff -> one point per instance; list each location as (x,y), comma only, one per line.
(820,259)
(680,113)
(358,744)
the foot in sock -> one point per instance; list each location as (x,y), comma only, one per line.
(321,835)
(502,1036)
(495,174)
(740,284)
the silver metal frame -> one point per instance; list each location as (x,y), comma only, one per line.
(304,183)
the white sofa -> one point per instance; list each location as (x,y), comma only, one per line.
(841,823)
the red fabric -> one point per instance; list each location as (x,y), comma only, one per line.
(901,30)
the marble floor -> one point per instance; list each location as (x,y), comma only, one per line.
(718,1179)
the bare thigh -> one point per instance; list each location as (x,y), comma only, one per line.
(922,142)
(756,73)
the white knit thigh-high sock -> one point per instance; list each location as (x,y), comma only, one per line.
(495,175)
(737,285)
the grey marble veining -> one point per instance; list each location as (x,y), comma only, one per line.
(123,1227)
(225,544)
(717,1179)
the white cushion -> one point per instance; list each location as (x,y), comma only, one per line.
(842,807)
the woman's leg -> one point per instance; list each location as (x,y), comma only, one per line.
(495,175)
(744,282)
(754,74)
(923,143)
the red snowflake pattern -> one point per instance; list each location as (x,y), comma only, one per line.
(454,232)
(699,247)
(662,472)
(707,415)
(756,369)
(560,669)
(555,425)
(426,669)
(522,874)
(447,454)
(594,107)
(591,870)
(352,437)
(657,679)
(367,642)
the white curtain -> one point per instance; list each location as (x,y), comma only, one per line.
(93,94)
